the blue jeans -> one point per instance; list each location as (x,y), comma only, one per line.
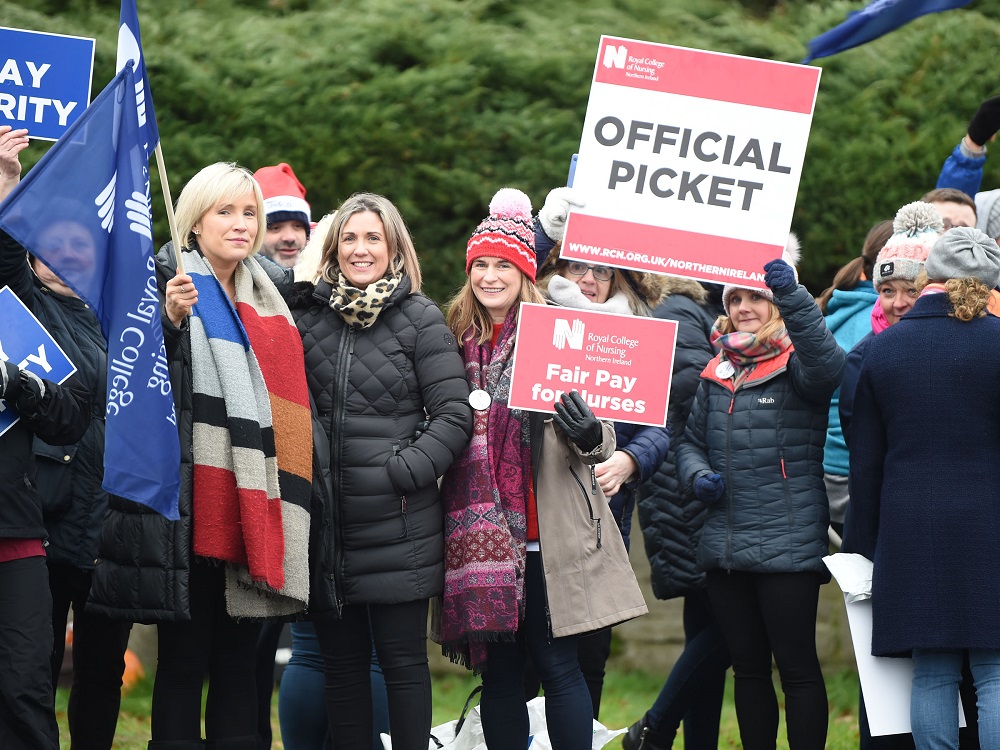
(934,700)
(693,691)
(568,709)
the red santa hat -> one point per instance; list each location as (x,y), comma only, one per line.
(284,195)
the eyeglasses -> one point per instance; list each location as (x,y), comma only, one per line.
(601,273)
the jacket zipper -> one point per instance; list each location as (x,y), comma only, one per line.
(345,343)
(402,501)
(590,507)
(729,485)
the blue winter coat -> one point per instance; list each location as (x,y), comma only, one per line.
(925,480)
(848,316)
(671,521)
(766,440)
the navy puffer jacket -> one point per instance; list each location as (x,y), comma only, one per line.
(766,440)
(670,520)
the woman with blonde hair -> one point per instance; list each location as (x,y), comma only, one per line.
(238,553)
(380,362)
(526,481)
(924,440)
(752,451)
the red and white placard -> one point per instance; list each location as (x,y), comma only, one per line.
(620,364)
(690,161)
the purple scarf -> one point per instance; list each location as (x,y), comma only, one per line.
(485,495)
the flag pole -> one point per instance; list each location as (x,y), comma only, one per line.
(165,186)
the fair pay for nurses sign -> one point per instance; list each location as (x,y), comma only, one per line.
(689,161)
(620,364)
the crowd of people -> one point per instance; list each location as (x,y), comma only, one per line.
(349,456)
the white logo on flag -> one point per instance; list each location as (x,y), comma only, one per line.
(105,203)
(139,214)
(615,56)
(128,49)
(564,334)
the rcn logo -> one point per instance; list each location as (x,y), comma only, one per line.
(563,333)
(615,56)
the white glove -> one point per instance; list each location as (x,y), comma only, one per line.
(558,203)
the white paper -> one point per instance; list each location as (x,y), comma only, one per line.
(885,681)
(853,573)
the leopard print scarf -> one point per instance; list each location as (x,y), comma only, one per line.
(360,307)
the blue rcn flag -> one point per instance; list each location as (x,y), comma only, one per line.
(130,49)
(877,18)
(84,211)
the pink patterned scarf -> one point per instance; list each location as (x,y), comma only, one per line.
(485,494)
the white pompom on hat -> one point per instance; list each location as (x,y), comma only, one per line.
(915,229)
(791,255)
(507,233)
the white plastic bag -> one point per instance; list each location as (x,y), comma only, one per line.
(471,735)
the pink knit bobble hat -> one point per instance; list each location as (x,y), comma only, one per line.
(914,231)
(506,233)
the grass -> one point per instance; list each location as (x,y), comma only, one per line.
(626,696)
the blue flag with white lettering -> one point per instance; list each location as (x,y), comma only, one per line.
(130,49)
(83,210)
(877,18)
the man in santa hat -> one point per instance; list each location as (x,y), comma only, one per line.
(288,214)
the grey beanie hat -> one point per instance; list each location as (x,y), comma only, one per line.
(964,252)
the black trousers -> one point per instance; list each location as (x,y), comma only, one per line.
(211,644)
(99,647)
(399,632)
(773,614)
(27,703)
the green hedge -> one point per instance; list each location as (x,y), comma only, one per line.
(438,103)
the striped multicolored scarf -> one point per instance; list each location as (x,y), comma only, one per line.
(485,494)
(744,351)
(252,441)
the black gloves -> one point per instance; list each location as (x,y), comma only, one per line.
(986,122)
(421,428)
(576,419)
(23,389)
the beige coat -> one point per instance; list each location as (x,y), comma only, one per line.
(588,579)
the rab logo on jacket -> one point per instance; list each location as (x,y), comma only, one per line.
(563,334)
(765,400)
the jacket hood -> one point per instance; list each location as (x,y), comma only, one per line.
(686,287)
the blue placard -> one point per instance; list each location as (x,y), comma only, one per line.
(24,341)
(44,80)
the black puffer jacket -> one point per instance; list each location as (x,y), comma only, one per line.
(144,560)
(68,476)
(670,521)
(766,440)
(370,389)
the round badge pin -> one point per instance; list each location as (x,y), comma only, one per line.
(480,400)
(725,370)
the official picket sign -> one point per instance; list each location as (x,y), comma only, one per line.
(24,341)
(690,161)
(44,80)
(620,364)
